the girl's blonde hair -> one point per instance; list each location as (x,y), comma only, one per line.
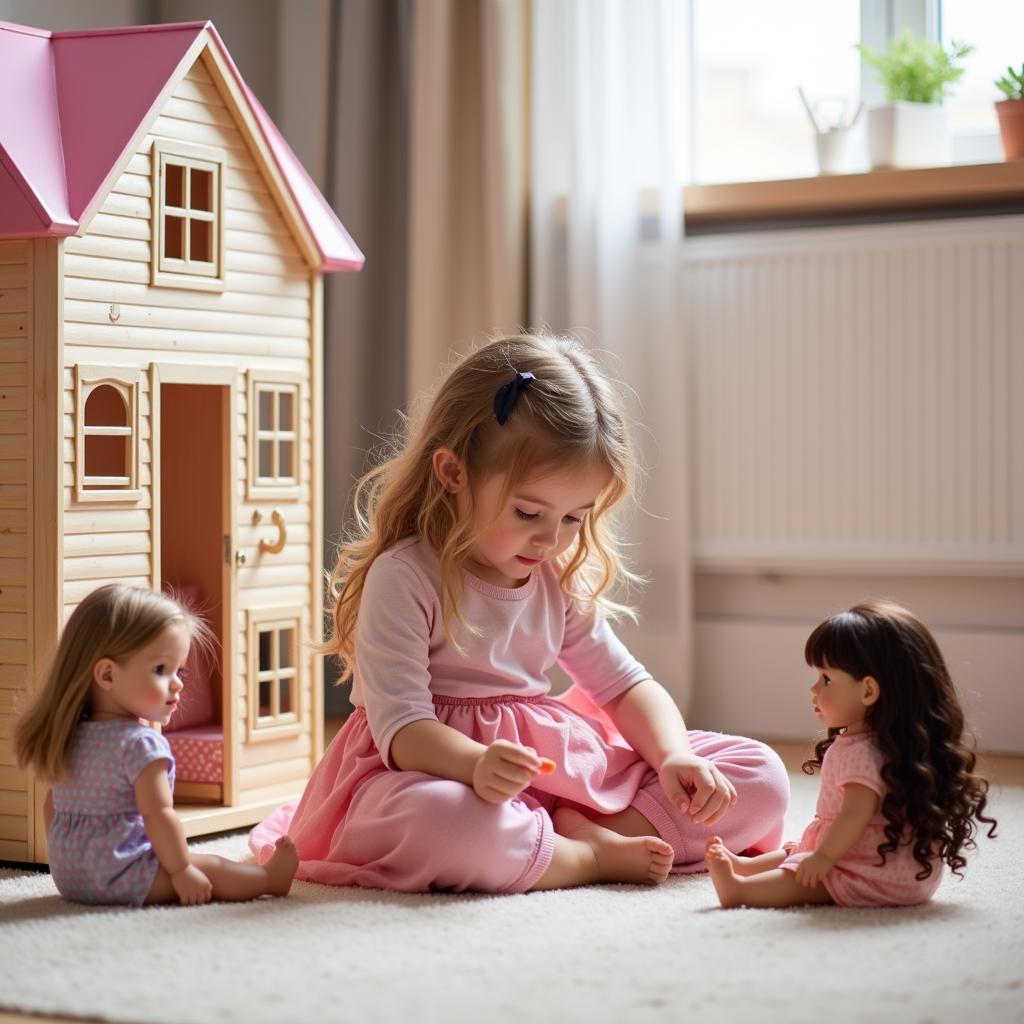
(115,622)
(569,416)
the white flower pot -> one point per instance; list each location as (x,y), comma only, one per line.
(909,135)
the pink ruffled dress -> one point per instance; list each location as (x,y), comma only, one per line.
(858,878)
(361,821)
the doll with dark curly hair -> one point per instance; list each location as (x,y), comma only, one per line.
(899,795)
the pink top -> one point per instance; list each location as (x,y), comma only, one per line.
(404,658)
(859,878)
(851,758)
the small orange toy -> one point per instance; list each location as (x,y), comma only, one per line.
(547,766)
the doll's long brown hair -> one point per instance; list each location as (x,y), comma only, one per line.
(569,417)
(917,723)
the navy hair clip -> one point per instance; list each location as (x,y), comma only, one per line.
(508,394)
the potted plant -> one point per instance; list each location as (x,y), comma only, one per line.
(912,128)
(1011,113)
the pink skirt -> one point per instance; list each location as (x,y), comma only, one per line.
(361,823)
(859,879)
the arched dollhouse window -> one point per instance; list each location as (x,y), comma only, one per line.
(106,434)
(275,677)
(188,221)
(274,417)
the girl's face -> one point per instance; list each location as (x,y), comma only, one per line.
(840,700)
(537,522)
(146,685)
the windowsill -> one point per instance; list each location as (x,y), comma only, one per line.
(963,188)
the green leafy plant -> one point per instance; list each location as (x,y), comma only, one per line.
(1012,83)
(917,70)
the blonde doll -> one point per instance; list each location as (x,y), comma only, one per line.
(112,833)
(484,554)
(899,797)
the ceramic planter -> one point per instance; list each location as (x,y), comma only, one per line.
(909,135)
(1011,127)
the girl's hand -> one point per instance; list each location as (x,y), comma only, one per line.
(192,886)
(504,770)
(696,786)
(813,869)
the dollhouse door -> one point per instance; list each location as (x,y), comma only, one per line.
(194,530)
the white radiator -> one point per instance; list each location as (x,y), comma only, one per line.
(858,397)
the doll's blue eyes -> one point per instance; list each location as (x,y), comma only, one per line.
(825,680)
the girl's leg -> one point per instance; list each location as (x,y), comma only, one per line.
(754,822)
(769,888)
(585,852)
(234,881)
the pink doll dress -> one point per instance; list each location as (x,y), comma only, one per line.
(98,848)
(858,879)
(362,821)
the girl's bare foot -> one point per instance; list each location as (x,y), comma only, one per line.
(720,866)
(281,867)
(644,860)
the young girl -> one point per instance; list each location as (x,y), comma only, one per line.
(111,831)
(484,555)
(899,797)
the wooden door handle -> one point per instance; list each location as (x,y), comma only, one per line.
(274,547)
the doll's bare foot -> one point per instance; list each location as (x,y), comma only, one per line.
(720,866)
(741,866)
(281,867)
(637,859)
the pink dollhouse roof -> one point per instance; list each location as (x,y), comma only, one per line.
(71,107)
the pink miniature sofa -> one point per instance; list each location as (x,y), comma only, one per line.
(195,735)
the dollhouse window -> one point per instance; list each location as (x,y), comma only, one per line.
(188,221)
(274,673)
(106,434)
(274,411)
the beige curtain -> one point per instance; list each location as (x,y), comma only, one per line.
(427,158)
(468,174)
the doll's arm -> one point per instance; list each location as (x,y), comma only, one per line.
(153,796)
(496,772)
(858,808)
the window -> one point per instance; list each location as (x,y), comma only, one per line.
(274,411)
(274,676)
(106,434)
(187,216)
(996,29)
(748,60)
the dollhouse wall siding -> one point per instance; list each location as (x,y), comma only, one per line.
(262,320)
(15,338)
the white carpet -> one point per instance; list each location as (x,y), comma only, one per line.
(611,953)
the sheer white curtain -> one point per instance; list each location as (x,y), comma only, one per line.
(608,105)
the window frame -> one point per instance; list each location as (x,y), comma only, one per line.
(274,619)
(167,271)
(277,382)
(126,382)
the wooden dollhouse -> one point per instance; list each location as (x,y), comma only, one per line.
(161,262)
